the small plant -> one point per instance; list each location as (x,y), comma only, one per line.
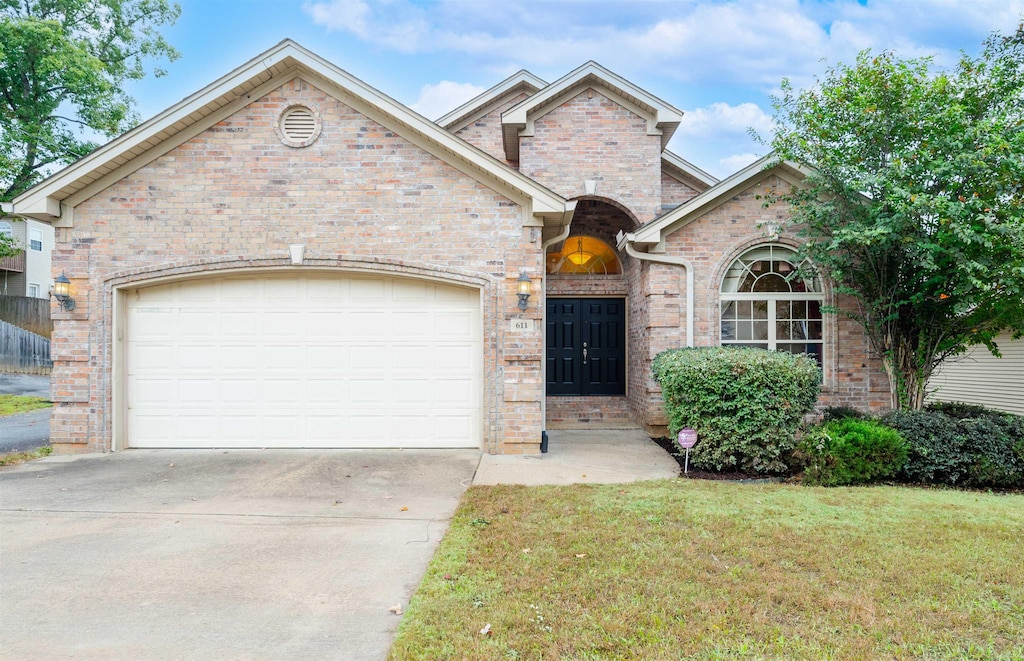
(851,451)
(12,458)
(745,404)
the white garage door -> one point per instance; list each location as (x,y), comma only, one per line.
(303,361)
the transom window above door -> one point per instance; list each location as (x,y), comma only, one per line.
(584,255)
(764,304)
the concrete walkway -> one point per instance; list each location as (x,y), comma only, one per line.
(583,456)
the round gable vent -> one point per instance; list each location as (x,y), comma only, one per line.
(299,126)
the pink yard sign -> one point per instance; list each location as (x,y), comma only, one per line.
(687,438)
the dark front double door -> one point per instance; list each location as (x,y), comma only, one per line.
(586,346)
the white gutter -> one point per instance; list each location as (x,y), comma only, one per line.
(675,261)
(7,207)
(543,320)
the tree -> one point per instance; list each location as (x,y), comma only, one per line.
(63,64)
(914,201)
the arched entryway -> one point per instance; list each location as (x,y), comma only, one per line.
(588,283)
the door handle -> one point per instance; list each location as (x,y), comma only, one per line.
(584,353)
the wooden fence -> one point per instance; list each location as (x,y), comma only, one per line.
(32,314)
(22,351)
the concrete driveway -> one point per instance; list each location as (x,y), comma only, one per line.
(266,554)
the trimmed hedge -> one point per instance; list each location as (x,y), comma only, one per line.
(962,444)
(745,404)
(851,451)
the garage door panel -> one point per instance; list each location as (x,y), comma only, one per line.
(324,324)
(237,391)
(198,357)
(454,325)
(240,324)
(368,428)
(150,358)
(199,391)
(154,324)
(366,289)
(282,357)
(326,358)
(304,361)
(366,324)
(371,356)
(153,392)
(241,357)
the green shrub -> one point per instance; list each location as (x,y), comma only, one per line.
(831,413)
(851,451)
(962,444)
(936,446)
(745,404)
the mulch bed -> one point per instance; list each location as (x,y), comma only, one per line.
(668,445)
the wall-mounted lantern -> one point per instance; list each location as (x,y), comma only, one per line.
(62,292)
(525,288)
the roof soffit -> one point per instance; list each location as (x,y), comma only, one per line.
(682,170)
(218,100)
(662,118)
(521,82)
(654,232)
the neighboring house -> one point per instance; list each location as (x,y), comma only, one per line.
(978,377)
(28,272)
(290,258)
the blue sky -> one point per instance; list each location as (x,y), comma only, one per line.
(717,61)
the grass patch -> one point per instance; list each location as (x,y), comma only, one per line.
(20,403)
(684,568)
(12,458)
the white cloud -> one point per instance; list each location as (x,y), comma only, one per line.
(748,42)
(445,96)
(340,15)
(735,163)
(717,119)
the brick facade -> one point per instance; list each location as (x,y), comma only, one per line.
(364,198)
(236,197)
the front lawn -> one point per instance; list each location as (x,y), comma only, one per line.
(20,403)
(686,568)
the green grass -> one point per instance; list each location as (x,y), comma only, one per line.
(20,403)
(709,570)
(12,458)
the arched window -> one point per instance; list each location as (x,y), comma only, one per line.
(6,230)
(765,305)
(584,255)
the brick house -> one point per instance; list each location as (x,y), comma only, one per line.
(290,258)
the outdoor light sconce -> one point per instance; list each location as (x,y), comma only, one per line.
(62,292)
(525,285)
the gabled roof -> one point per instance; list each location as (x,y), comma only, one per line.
(654,232)
(682,170)
(521,82)
(662,118)
(55,198)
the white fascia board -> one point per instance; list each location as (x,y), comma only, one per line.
(663,119)
(39,207)
(676,162)
(655,231)
(475,107)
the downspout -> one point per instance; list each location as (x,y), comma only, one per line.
(570,208)
(675,261)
